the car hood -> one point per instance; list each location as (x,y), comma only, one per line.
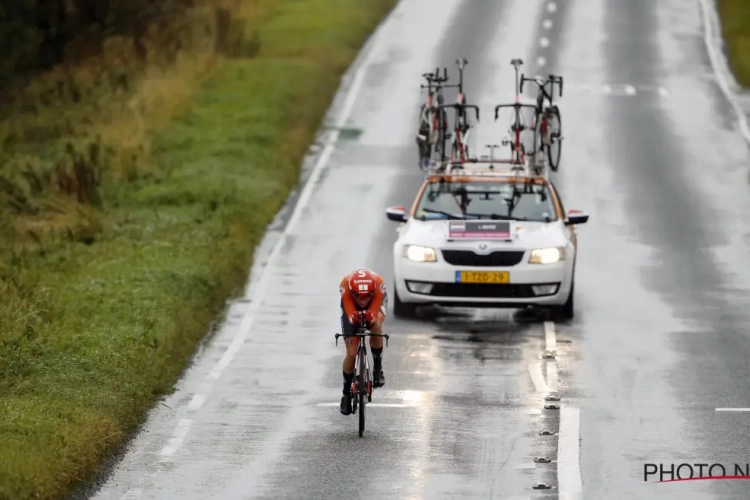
(526,235)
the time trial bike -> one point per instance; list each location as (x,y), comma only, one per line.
(361,388)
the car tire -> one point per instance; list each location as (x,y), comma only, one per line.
(402,309)
(567,310)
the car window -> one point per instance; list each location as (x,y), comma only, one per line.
(471,200)
(559,198)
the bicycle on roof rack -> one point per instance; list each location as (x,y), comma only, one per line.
(461,129)
(488,165)
(547,119)
(433,121)
(361,388)
(517,149)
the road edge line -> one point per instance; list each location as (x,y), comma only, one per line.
(714,44)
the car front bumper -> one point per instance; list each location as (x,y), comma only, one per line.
(529,284)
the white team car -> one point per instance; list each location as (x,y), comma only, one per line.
(485,239)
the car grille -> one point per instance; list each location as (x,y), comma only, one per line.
(502,258)
(481,291)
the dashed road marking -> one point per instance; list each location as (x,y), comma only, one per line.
(552,376)
(535,370)
(568,453)
(544,42)
(177,438)
(732,409)
(551,7)
(547,24)
(196,402)
(630,90)
(541,61)
(550,336)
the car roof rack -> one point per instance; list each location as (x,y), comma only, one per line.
(488,166)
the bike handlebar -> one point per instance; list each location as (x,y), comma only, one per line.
(362,335)
(435,77)
(462,106)
(552,80)
(515,105)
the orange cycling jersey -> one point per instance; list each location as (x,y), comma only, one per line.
(377,304)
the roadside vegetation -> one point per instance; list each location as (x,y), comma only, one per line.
(735,21)
(136,178)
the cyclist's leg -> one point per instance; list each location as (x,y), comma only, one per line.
(376,345)
(351,344)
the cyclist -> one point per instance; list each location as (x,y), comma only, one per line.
(362,292)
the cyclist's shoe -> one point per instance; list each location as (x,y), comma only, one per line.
(378,379)
(346,405)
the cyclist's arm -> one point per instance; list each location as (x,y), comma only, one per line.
(346,300)
(379,303)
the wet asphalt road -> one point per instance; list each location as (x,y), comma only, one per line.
(660,337)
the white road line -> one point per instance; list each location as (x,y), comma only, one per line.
(177,438)
(533,411)
(568,453)
(664,92)
(550,336)
(732,409)
(714,43)
(541,61)
(547,24)
(302,202)
(630,90)
(530,465)
(535,370)
(606,89)
(544,42)
(196,402)
(552,7)
(552,376)
(131,494)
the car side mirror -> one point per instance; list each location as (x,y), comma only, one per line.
(396,214)
(576,217)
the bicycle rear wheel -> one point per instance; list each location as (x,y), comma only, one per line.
(361,391)
(555,138)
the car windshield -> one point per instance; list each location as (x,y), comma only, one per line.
(487,200)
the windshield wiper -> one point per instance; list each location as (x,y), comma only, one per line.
(500,217)
(449,215)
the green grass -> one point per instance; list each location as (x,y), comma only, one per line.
(735,21)
(98,319)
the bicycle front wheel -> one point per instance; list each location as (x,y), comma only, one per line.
(555,138)
(362,389)
(362,402)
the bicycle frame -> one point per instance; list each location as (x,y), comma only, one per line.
(461,130)
(362,383)
(428,116)
(543,94)
(542,113)
(517,149)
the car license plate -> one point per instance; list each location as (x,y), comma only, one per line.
(494,277)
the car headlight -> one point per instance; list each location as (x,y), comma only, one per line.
(547,255)
(420,254)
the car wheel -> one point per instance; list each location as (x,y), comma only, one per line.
(402,309)
(567,310)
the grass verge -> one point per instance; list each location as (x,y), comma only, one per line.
(114,265)
(735,23)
